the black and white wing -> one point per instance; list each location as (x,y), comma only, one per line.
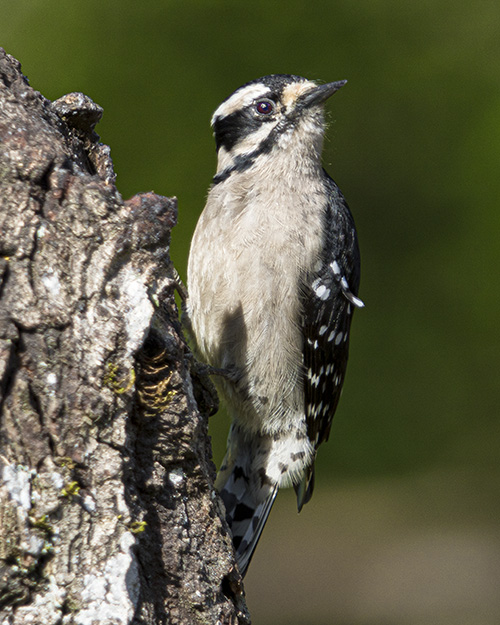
(330,297)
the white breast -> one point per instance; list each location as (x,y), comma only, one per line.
(262,232)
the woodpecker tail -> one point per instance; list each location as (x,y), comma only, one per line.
(247,506)
(246,519)
(254,468)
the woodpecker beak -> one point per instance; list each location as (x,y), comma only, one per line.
(320,94)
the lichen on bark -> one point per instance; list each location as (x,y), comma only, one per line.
(107,508)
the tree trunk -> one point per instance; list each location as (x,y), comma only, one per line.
(108,513)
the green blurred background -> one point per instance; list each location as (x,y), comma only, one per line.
(403,527)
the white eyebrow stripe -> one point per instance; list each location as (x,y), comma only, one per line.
(241,98)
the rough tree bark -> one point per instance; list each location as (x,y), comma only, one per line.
(108,513)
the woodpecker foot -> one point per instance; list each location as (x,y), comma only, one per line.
(179,285)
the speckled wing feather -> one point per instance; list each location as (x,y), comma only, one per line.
(329,299)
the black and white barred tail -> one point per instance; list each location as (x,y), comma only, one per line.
(252,471)
(246,518)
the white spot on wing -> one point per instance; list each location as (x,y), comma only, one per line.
(315,380)
(355,300)
(335,267)
(349,295)
(322,292)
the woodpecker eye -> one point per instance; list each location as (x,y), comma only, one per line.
(264,107)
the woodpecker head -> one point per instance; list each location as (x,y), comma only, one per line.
(273,113)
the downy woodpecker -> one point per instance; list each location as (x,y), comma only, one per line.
(273,279)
